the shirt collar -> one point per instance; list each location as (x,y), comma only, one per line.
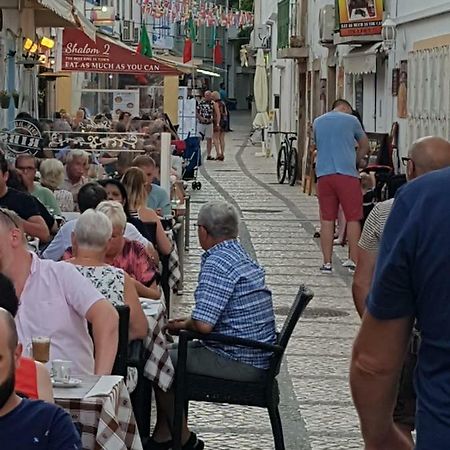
(230,243)
(34,262)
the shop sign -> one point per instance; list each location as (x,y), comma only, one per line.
(24,137)
(360,17)
(81,54)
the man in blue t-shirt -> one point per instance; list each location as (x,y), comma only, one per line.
(412,281)
(337,134)
(27,424)
(158,199)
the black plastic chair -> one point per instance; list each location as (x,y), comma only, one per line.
(264,393)
(120,363)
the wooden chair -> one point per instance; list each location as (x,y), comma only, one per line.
(263,393)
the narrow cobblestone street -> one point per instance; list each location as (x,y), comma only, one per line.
(277,229)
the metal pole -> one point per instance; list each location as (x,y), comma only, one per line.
(187,222)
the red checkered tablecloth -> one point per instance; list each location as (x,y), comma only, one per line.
(106,421)
(159,367)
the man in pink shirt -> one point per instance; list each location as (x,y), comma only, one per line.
(56,301)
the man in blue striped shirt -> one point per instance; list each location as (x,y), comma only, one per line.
(232,299)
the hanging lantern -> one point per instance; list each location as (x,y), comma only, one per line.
(388,33)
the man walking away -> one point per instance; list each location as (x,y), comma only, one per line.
(205,117)
(337,134)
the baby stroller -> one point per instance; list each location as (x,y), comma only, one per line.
(192,160)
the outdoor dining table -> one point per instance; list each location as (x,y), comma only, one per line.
(101,409)
(158,367)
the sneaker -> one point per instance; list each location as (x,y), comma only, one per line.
(193,443)
(327,268)
(349,264)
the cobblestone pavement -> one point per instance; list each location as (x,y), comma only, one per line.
(278,226)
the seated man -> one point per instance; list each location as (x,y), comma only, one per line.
(55,301)
(77,163)
(89,197)
(23,204)
(158,199)
(32,377)
(26,166)
(231,299)
(28,424)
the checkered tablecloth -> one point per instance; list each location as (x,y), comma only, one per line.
(174,264)
(106,422)
(159,367)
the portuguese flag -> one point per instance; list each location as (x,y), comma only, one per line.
(190,39)
(145,46)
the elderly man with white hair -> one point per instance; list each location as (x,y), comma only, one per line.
(232,299)
(77,162)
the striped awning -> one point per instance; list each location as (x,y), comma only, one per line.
(54,13)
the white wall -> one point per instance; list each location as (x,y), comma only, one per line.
(416,21)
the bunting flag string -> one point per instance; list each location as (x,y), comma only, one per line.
(203,12)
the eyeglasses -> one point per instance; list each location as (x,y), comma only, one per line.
(405,160)
(10,217)
(198,225)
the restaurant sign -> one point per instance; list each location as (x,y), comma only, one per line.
(81,54)
(360,17)
(24,137)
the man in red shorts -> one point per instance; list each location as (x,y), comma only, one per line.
(341,144)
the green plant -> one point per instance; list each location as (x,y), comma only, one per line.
(4,94)
(15,95)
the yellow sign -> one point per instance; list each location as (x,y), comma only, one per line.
(360,17)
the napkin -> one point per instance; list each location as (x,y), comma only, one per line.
(151,307)
(104,386)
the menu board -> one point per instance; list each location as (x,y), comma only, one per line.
(126,101)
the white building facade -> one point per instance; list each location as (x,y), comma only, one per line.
(401,93)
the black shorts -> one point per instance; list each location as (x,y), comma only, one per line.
(405,408)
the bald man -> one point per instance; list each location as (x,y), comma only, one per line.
(205,118)
(28,424)
(426,155)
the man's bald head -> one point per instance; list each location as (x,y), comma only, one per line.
(428,154)
(9,326)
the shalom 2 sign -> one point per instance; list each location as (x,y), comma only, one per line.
(81,54)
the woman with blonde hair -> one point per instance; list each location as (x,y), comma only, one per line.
(134,181)
(52,177)
(220,125)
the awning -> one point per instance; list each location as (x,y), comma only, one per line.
(85,24)
(54,13)
(362,60)
(106,55)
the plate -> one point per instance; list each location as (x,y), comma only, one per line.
(73,382)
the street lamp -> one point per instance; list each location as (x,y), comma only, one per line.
(388,33)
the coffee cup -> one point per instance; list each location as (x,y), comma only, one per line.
(41,348)
(61,370)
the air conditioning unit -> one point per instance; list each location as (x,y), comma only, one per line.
(327,24)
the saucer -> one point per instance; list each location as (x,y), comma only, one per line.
(73,382)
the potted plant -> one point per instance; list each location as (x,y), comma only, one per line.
(15,96)
(5,97)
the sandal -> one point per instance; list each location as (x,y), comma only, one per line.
(220,158)
(193,443)
(210,158)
